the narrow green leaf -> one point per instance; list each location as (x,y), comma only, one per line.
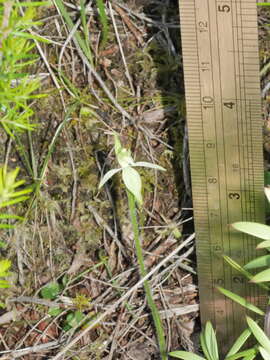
(6,226)
(246,353)
(10,216)
(263,276)
(62,9)
(22,192)
(133,183)
(34,3)
(252,228)
(265,354)
(211,341)
(14,201)
(4,266)
(148,165)
(267,192)
(258,262)
(31,36)
(204,346)
(237,267)
(247,274)
(107,176)
(185,355)
(259,334)
(85,28)
(240,300)
(263,245)
(4,284)
(239,343)
(104,22)
(10,177)
(250,357)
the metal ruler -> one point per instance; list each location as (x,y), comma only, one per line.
(221,70)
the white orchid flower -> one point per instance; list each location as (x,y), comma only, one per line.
(130,176)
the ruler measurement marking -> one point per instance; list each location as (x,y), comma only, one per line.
(219,177)
(227,246)
(222,69)
(239,114)
(244,81)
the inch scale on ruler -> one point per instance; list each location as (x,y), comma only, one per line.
(221,70)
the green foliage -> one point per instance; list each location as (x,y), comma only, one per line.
(73,319)
(185,355)
(260,261)
(259,334)
(262,232)
(252,228)
(9,195)
(209,342)
(51,291)
(210,348)
(83,42)
(240,300)
(104,22)
(4,267)
(16,87)
(55,311)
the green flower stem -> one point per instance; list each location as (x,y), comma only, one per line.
(143,272)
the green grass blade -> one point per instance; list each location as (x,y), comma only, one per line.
(263,276)
(259,334)
(61,7)
(254,229)
(12,202)
(250,357)
(211,341)
(240,300)
(242,271)
(6,226)
(204,346)
(263,245)
(243,354)
(104,22)
(258,262)
(265,354)
(10,216)
(33,4)
(185,355)
(85,28)
(239,343)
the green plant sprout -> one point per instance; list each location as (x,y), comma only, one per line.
(9,195)
(16,86)
(5,264)
(133,184)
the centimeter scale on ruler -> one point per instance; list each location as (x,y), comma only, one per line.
(221,70)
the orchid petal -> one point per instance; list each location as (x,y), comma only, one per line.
(107,176)
(149,165)
(133,182)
